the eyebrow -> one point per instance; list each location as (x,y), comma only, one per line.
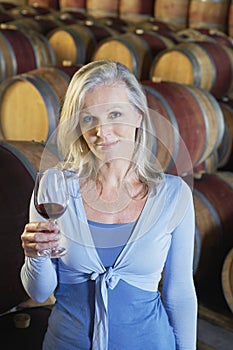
(116,105)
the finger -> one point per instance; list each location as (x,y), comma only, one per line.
(40,236)
(41,226)
(32,249)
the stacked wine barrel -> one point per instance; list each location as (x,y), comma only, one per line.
(183,56)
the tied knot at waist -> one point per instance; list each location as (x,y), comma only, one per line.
(109,277)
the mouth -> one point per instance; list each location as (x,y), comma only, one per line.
(107,145)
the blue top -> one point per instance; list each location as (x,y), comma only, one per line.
(103,233)
(107,291)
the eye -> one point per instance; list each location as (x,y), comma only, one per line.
(87,119)
(115,115)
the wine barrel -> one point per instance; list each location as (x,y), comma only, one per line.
(23,51)
(77,43)
(19,47)
(46,25)
(206,65)
(21,24)
(7,6)
(208,237)
(39,24)
(208,253)
(209,165)
(27,11)
(230,20)
(105,8)
(45,56)
(227,279)
(213,201)
(74,5)
(155,41)
(212,195)
(219,36)
(71,16)
(190,126)
(128,49)
(225,149)
(117,24)
(193,35)
(204,34)
(30,104)
(20,161)
(135,50)
(68,68)
(99,31)
(51,4)
(209,14)
(136,10)
(159,27)
(155,24)
(5,17)
(173,12)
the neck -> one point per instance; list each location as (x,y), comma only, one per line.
(115,190)
(114,173)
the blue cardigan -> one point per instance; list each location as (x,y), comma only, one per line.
(126,288)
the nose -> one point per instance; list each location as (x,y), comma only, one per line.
(102,130)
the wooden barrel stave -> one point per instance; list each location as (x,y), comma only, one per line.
(194,113)
(51,4)
(128,49)
(208,237)
(105,8)
(207,65)
(73,5)
(209,165)
(19,44)
(225,149)
(227,279)
(156,42)
(21,47)
(218,189)
(8,61)
(213,202)
(76,44)
(188,64)
(172,12)
(214,120)
(35,118)
(20,162)
(79,41)
(209,14)
(136,10)
(223,68)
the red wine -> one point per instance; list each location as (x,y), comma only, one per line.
(50,210)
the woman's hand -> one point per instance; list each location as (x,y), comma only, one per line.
(38,236)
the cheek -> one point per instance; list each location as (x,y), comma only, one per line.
(128,132)
(86,138)
(88,135)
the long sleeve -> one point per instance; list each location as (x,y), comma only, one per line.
(178,291)
(39,278)
(38,275)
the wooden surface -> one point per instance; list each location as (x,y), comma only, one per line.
(215,330)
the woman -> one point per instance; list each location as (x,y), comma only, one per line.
(127,225)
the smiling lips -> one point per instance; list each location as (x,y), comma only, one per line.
(106,145)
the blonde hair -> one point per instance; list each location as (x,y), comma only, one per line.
(72,145)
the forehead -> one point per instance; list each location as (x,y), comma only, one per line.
(106,94)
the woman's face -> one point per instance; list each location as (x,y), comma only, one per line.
(108,122)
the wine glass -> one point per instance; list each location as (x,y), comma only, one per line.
(51,200)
